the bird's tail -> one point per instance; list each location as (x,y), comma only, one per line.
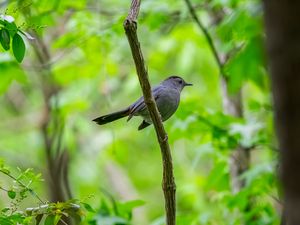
(111,117)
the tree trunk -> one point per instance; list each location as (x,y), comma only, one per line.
(282,19)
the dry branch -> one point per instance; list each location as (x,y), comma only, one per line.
(168,183)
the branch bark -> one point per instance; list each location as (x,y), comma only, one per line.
(168,182)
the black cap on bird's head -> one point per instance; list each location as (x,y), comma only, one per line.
(177,82)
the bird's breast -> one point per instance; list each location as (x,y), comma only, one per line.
(167,102)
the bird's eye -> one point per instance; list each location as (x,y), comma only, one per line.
(180,81)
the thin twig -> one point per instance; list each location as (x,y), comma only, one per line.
(111,198)
(3,189)
(168,183)
(22,185)
(207,36)
(64,222)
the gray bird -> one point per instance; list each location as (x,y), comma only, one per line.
(166,95)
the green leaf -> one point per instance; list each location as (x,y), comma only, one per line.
(88,207)
(11,194)
(8,22)
(17,218)
(23,193)
(50,220)
(5,39)
(218,177)
(111,220)
(239,200)
(10,71)
(5,221)
(57,219)
(125,209)
(132,204)
(6,209)
(248,64)
(4,169)
(75,215)
(18,46)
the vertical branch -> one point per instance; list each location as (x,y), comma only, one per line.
(232,105)
(168,183)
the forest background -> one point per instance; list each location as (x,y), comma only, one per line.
(78,66)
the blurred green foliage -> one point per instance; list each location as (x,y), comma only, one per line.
(92,71)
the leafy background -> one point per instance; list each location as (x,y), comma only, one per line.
(89,72)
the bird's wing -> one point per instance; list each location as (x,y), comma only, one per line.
(140,103)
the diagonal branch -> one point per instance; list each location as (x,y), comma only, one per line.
(168,183)
(207,36)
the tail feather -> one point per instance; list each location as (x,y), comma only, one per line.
(111,117)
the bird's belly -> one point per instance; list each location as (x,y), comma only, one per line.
(167,104)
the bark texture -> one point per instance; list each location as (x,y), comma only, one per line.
(283,41)
(168,182)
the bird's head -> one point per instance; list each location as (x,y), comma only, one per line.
(176,82)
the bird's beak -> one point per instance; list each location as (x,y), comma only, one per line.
(188,84)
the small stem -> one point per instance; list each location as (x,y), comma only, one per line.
(61,220)
(207,36)
(3,189)
(22,185)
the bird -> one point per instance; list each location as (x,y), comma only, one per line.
(166,96)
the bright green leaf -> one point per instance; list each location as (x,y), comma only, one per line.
(18,46)
(6,209)
(5,39)
(50,219)
(88,207)
(5,221)
(57,219)
(127,207)
(11,194)
(5,170)
(248,64)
